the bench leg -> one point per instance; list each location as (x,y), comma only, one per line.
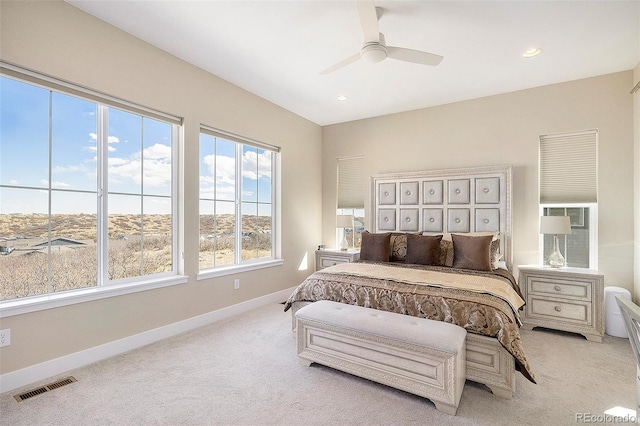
(304,362)
(501,392)
(446,408)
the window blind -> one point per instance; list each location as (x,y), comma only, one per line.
(351,183)
(51,83)
(216,133)
(568,168)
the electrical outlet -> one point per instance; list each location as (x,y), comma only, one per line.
(236,284)
(5,337)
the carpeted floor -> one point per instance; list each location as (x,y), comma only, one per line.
(244,371)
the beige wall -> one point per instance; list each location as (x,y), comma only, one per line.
(504,129)
(57,39)
(636,121)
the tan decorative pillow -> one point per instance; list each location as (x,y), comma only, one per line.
(446,253)
(375,247)
(472,252)
(398,243)
(423,250)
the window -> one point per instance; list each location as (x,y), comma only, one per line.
(86,189)
(568,187)
(237,207)
(576,247)
(350,193)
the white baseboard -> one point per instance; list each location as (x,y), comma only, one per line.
(38,372)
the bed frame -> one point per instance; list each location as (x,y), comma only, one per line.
(447,201)
(455,200)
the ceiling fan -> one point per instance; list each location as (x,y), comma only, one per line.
(375,49)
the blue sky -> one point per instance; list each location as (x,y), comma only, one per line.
(133,141)
(24,154)
(218,177)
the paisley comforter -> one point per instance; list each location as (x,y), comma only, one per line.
(484,303)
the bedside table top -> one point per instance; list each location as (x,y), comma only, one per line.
(565,270)
(350,251)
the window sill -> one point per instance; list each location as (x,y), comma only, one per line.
(235,269)
(26,305)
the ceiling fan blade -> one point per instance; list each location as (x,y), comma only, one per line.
(342,63)
(368,21)
(415,56)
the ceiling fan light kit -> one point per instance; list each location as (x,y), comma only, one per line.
(375,49)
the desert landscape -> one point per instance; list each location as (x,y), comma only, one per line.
(28,257)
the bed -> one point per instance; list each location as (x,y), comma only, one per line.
(439,248)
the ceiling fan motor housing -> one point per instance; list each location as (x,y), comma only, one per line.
(374,52)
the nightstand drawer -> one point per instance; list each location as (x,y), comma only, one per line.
(326,261)
(326,258)
(572,312)
(545,286)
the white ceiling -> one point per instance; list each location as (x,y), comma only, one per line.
(276,49)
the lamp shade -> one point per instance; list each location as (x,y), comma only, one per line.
(555,225)
(344,221)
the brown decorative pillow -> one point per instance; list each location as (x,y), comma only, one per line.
(375,247)
(472,252)
(423,249)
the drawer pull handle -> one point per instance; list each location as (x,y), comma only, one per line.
(557,288)
(558,308)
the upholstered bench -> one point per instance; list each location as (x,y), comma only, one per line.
(416,355)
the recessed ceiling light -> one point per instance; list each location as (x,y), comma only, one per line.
(342,98)
(530,53)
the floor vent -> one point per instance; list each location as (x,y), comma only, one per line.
(45,388)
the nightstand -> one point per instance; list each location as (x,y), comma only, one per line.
(568,299)
(326,258)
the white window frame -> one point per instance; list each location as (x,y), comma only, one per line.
(104,287)
(259,263)
(571,170)
(350,193)
(593,231)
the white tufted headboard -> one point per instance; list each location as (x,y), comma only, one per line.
(445,201)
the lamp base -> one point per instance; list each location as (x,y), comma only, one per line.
(344,244)
(555,258)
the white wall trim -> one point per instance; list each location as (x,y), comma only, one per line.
(35,373)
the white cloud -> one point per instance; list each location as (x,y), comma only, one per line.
(60,185)
(157,167)
(223,167)
(158,152)
(255,166)
(110,139)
